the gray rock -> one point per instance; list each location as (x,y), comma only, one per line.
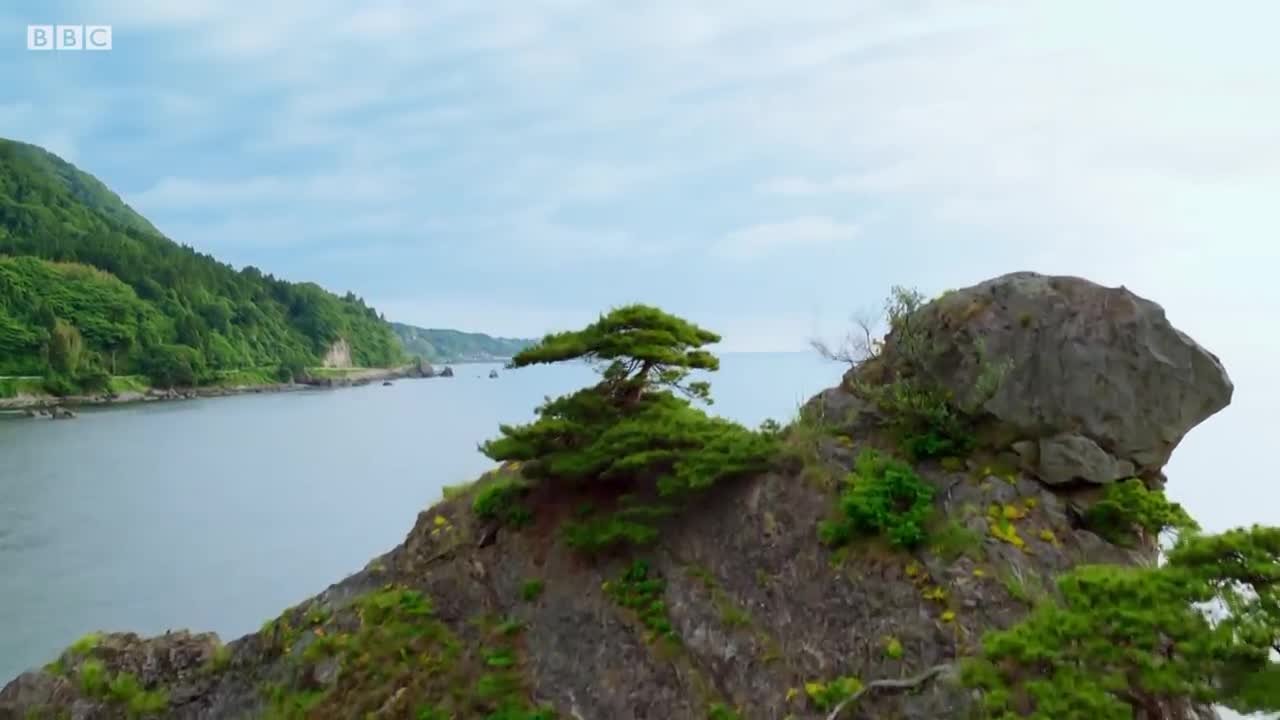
(1068,458)
(60,413)
(1084,359)
(447,372)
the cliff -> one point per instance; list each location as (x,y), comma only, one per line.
(738,610)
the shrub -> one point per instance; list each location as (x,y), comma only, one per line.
(1128,508)
(882,496)
(170,366)
(500,499)
(640,590)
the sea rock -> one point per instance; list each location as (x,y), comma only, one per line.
(60,413)
(447,372)
(1089,371)
(493,374)
(386,383)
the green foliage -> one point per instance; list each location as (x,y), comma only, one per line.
(170,366)
(446,346)
(640,590)
(926,419)
(1122,641)
(640,346)
(881,496)
(893,648)
(123,689)
(629,435)
(1128,509)
(826,695)
(632,526)
(76,262)
(532,590)
(501,499)
(400,648)
(955,540)
(721,711)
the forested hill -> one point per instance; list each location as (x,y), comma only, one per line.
(89,288)
(436,345)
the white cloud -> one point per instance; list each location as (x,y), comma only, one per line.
(767,238)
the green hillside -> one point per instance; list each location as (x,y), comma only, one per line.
(89,288)
(439,346)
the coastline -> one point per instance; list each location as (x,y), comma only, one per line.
(327,378)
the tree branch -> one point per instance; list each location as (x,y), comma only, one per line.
(907,684)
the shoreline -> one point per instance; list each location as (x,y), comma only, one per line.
(353,377)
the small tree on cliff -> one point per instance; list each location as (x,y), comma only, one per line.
(641,347)
(629,440)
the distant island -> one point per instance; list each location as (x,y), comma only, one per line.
(95,302)
(454,346)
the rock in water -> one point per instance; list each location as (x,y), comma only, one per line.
(1096,376)
(60,413)
(493,374)
(447,372)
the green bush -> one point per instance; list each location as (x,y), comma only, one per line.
(501,499)
(641,590)
(882,496)
(1128,507)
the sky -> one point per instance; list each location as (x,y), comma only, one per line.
(765,169)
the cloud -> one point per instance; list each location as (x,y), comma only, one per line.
(768,238)
(570,137)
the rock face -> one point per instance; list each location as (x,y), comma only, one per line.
(1097,377)
(338,355)
(760,607)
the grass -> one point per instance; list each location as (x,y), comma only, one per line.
(1025,589)
(120,384)
(397,642)
(335,373)
(954,540)
(14,386)
(122,689)
(247,377)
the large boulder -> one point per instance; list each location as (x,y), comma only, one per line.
(1097,384)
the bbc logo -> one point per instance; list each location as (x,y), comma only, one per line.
(68,37)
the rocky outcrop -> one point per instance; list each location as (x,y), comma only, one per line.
(1096,377)
(756,608)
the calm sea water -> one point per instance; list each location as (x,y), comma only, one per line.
(216,514)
